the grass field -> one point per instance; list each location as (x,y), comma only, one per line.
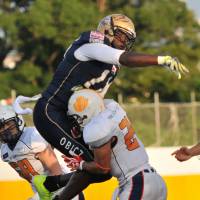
(176,127)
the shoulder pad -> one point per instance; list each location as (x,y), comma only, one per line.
(92,37)
(108,102)
(98,132)
(96,37)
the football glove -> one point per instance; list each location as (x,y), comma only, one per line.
(74,163)
(173,64)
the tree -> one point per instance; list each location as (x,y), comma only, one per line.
(42,30)
(162,28)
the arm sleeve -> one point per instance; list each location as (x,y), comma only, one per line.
(99,52)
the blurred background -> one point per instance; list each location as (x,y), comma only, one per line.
(165,111)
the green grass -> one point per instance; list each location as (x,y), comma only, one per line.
(143,120)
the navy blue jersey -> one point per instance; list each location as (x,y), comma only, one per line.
(73,74)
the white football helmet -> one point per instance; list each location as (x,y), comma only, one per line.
(7,114)
(110,24)
(84,105)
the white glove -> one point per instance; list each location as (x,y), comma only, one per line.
(173,64)
(22,99)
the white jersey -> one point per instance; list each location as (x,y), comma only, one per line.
(128,155)
(23,157)
(24,160)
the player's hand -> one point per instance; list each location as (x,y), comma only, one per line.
(173,64)
(74,163)
(182,154)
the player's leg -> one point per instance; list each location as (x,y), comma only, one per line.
(84,179)
(154,186)
(55,126)
(133,189)
(146,185)
(74,185)
(53,183)
(56,194)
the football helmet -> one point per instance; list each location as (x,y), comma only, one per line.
(85,104)
(115,23)
(11,125)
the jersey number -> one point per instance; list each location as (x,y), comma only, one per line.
(24,168)
(130,141)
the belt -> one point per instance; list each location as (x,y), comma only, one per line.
(150,170)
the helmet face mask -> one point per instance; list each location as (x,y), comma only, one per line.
(115,23)
(125,38)
(77,121)
(9,131)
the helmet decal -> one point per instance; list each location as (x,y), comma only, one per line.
(80,104)
(85,104)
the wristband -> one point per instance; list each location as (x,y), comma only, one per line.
(161,60)
(81,165)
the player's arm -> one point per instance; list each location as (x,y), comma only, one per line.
(107,54)
(195,150)
(131,59)
(100,165)
(185,153)
(49,160)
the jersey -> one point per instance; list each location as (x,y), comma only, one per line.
(128,155)
(73,73)
(23,157)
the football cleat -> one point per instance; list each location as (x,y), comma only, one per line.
(44,194)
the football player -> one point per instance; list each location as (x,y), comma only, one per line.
(92,61)
(116,147)
(25,150)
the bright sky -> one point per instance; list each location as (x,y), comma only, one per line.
(195,6)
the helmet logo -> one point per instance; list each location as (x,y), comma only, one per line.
(80,104)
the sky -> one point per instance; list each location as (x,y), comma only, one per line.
(195,6)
